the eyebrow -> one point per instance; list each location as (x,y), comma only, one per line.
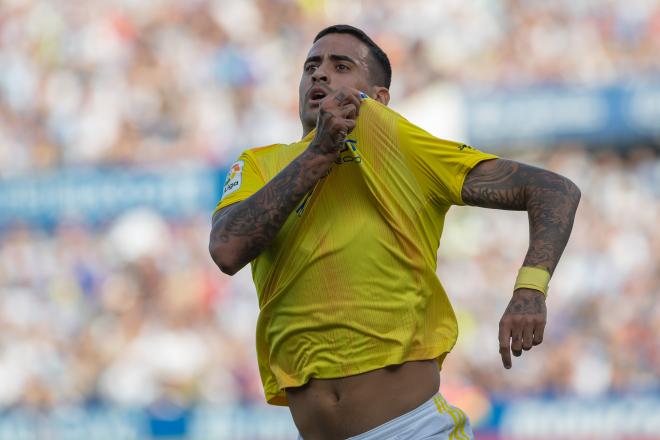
(333,57)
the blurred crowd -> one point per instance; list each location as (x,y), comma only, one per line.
(134,312)
(87,316)
(157,81)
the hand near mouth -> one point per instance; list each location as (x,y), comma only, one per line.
(338,111)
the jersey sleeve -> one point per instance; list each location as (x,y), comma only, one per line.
(243,179)
(439,165)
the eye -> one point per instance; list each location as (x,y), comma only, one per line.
(310,68)
(342,67)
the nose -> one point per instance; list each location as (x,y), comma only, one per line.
(319,74)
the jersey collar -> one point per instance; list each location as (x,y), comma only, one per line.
(309,136)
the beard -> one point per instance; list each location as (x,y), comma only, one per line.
(309,117)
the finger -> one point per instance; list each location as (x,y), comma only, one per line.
(505,338)
(355,101)
(350,91)
(341,95)
(538,332)
(528,336)
(350,123)
(349,112)
(347,94)
(352,109)
(516,340)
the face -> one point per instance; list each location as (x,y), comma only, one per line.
(334,61)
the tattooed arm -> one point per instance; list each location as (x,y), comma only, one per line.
(550,201)
(243,230)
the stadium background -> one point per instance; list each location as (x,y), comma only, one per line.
(118,121)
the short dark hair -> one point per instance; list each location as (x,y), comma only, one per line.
(385,77)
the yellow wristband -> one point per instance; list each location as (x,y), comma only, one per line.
(536,278)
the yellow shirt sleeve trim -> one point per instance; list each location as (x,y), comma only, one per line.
(252,180)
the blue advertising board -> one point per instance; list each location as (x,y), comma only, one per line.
(569,418)
(95,195)
(607,115)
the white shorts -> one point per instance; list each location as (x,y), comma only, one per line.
(435,419)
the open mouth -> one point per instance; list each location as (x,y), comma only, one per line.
(317,95)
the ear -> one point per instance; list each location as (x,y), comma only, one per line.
(380,94)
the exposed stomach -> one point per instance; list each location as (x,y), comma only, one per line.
(333,409)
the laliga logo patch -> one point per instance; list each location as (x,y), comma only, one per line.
(233,181)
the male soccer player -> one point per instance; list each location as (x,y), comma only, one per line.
(342,229)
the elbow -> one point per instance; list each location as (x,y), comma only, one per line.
(573,192)
(229,269)
(222,257)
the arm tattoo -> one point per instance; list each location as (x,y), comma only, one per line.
(527,302)
(549,199)
(246,228)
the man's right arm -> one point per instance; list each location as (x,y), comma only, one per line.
(243,230)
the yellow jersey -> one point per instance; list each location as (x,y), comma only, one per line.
(349,283)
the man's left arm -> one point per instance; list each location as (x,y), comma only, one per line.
(550,201)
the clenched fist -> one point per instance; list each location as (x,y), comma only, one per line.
(336,118)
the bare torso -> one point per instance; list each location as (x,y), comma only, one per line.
(333,409)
